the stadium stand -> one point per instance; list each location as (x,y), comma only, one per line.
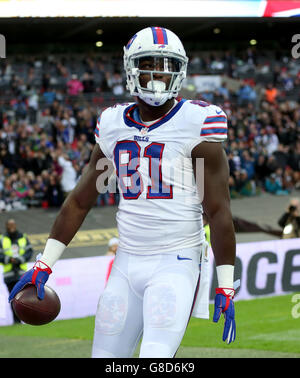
(49,106)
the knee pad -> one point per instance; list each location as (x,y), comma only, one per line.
(112,310)
(161,306)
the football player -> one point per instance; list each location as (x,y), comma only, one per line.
(152,144)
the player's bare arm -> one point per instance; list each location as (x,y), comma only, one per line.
(80,200)
(216,200)
(68,221)
(75,208)
(216,205)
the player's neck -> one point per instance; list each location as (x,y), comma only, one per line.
(150,113)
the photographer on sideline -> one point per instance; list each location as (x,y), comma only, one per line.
(15,252)
(290,220)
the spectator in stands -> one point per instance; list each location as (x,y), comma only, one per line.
(271,163)
(290,220)
(287,81)
(75,86)
(240,184)
(33,104)
(273,184)
(271,93)
(270,140)
(46,120)
(231,163)
(69,174)
(45,81)
(54,195)
(38,116)
(245,185)
(246,94)
(288,179)
(33,199)
(88,83)
(207,96)
(115,83)
(67,132)
(261,170)
(223,92)
(49,96)
(248,164)
(281,155)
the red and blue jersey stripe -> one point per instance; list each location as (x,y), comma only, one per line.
(214,125)
(215,119)
(159,35)
(97,129)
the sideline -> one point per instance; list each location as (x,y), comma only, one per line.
(84,238)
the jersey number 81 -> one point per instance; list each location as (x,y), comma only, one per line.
(127,155)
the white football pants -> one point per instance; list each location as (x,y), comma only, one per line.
(151,295)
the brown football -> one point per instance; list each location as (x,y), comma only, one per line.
(32,310)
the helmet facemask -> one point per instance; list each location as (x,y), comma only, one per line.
(155,64)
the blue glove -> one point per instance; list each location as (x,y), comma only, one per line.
(224,304)
(37,276)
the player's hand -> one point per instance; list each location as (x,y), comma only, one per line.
(224,304)
(37,276)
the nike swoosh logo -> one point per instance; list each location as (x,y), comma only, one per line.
(183,258)
(219,112)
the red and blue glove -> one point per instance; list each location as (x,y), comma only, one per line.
(37,276)
(224,305)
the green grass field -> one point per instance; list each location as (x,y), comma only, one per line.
(265,329)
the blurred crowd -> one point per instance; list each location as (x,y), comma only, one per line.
(49,108)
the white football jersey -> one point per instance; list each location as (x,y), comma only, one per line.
(160,208)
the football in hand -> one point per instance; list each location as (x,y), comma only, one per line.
(32,310)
